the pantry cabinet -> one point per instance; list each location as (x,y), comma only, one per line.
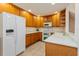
(32,38)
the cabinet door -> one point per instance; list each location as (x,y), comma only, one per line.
(56,20)
(14,9)
(72,51)
(37,22)
(28,17)
(30,21)
(33,38)
(9,8)
(36,37)
(39,36)
(1,8)
(28,40)
(59,50)
(41,22)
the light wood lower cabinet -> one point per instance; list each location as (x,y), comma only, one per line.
(32,38)
(59,50)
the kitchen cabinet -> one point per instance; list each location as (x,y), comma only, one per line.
(52,49)
(28,40)
(32,38)
(39,21)
(11,8)
(47,18)
(39,36)
(62,18)
(7,7)
(42,22)
(29,18)
(56,20)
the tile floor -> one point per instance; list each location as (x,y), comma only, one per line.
(37,49)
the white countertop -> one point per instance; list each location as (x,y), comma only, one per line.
(62,40)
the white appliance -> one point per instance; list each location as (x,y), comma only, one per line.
(9,33)
(47,24)
(47,30)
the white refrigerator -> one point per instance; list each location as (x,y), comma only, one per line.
(12,34)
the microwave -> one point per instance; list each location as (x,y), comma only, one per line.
(47,24)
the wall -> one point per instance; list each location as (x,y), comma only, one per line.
(71,22)
(54,29)
(59,29)
(75,9)
(71,8)
(77,21)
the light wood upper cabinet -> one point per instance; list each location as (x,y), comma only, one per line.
(42,22)
(39,21)
(9,8)
(29,18)
(56,20)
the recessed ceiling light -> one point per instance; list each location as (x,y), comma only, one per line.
(24,11)
(56,12)
(29,10)
(53,3)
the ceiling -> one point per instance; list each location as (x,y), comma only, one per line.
(42,9)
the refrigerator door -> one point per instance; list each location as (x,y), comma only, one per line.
(9,46)
(20,41)
(9,37)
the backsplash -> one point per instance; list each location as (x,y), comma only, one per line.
(59,29)
(33,29)
(30,30)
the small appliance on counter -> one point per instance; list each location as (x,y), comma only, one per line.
(37,29)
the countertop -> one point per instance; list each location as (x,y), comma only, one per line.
(33,32)
(62,40)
